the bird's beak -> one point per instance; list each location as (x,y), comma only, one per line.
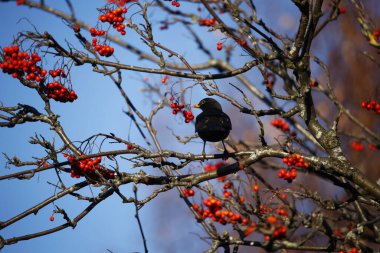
(196,106)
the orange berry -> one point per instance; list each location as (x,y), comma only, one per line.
(271,219)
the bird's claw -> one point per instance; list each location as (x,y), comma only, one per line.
(225,155)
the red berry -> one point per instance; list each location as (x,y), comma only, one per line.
(76,28)
(219,46)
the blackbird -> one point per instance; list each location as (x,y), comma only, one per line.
(212,124)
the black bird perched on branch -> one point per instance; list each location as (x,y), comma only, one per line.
(212,124)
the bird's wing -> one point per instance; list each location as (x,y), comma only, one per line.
(213,121)
(226,121)
(199,122)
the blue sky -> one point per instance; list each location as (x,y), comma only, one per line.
(168,225)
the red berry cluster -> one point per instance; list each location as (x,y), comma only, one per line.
(263,209)
(282,212)
(274,225)
(341,233)
(188,116)
(17,64)
(288,175)
(95,33)
(58,72)
(227,186)
(176,4)
(207,22)
(88,168)
(178,107)
(371,105)
(103,50)
(219,46)
(278,231)
(227,194)
(376,35)
(271,219)
(121,2)
(188,192)
(210,167)
(373,147)
(353,250)
(215,212)
(357,146)
(20,2)
(280,124)
(250,229)
(58,92)
(295,160)
(115,18)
